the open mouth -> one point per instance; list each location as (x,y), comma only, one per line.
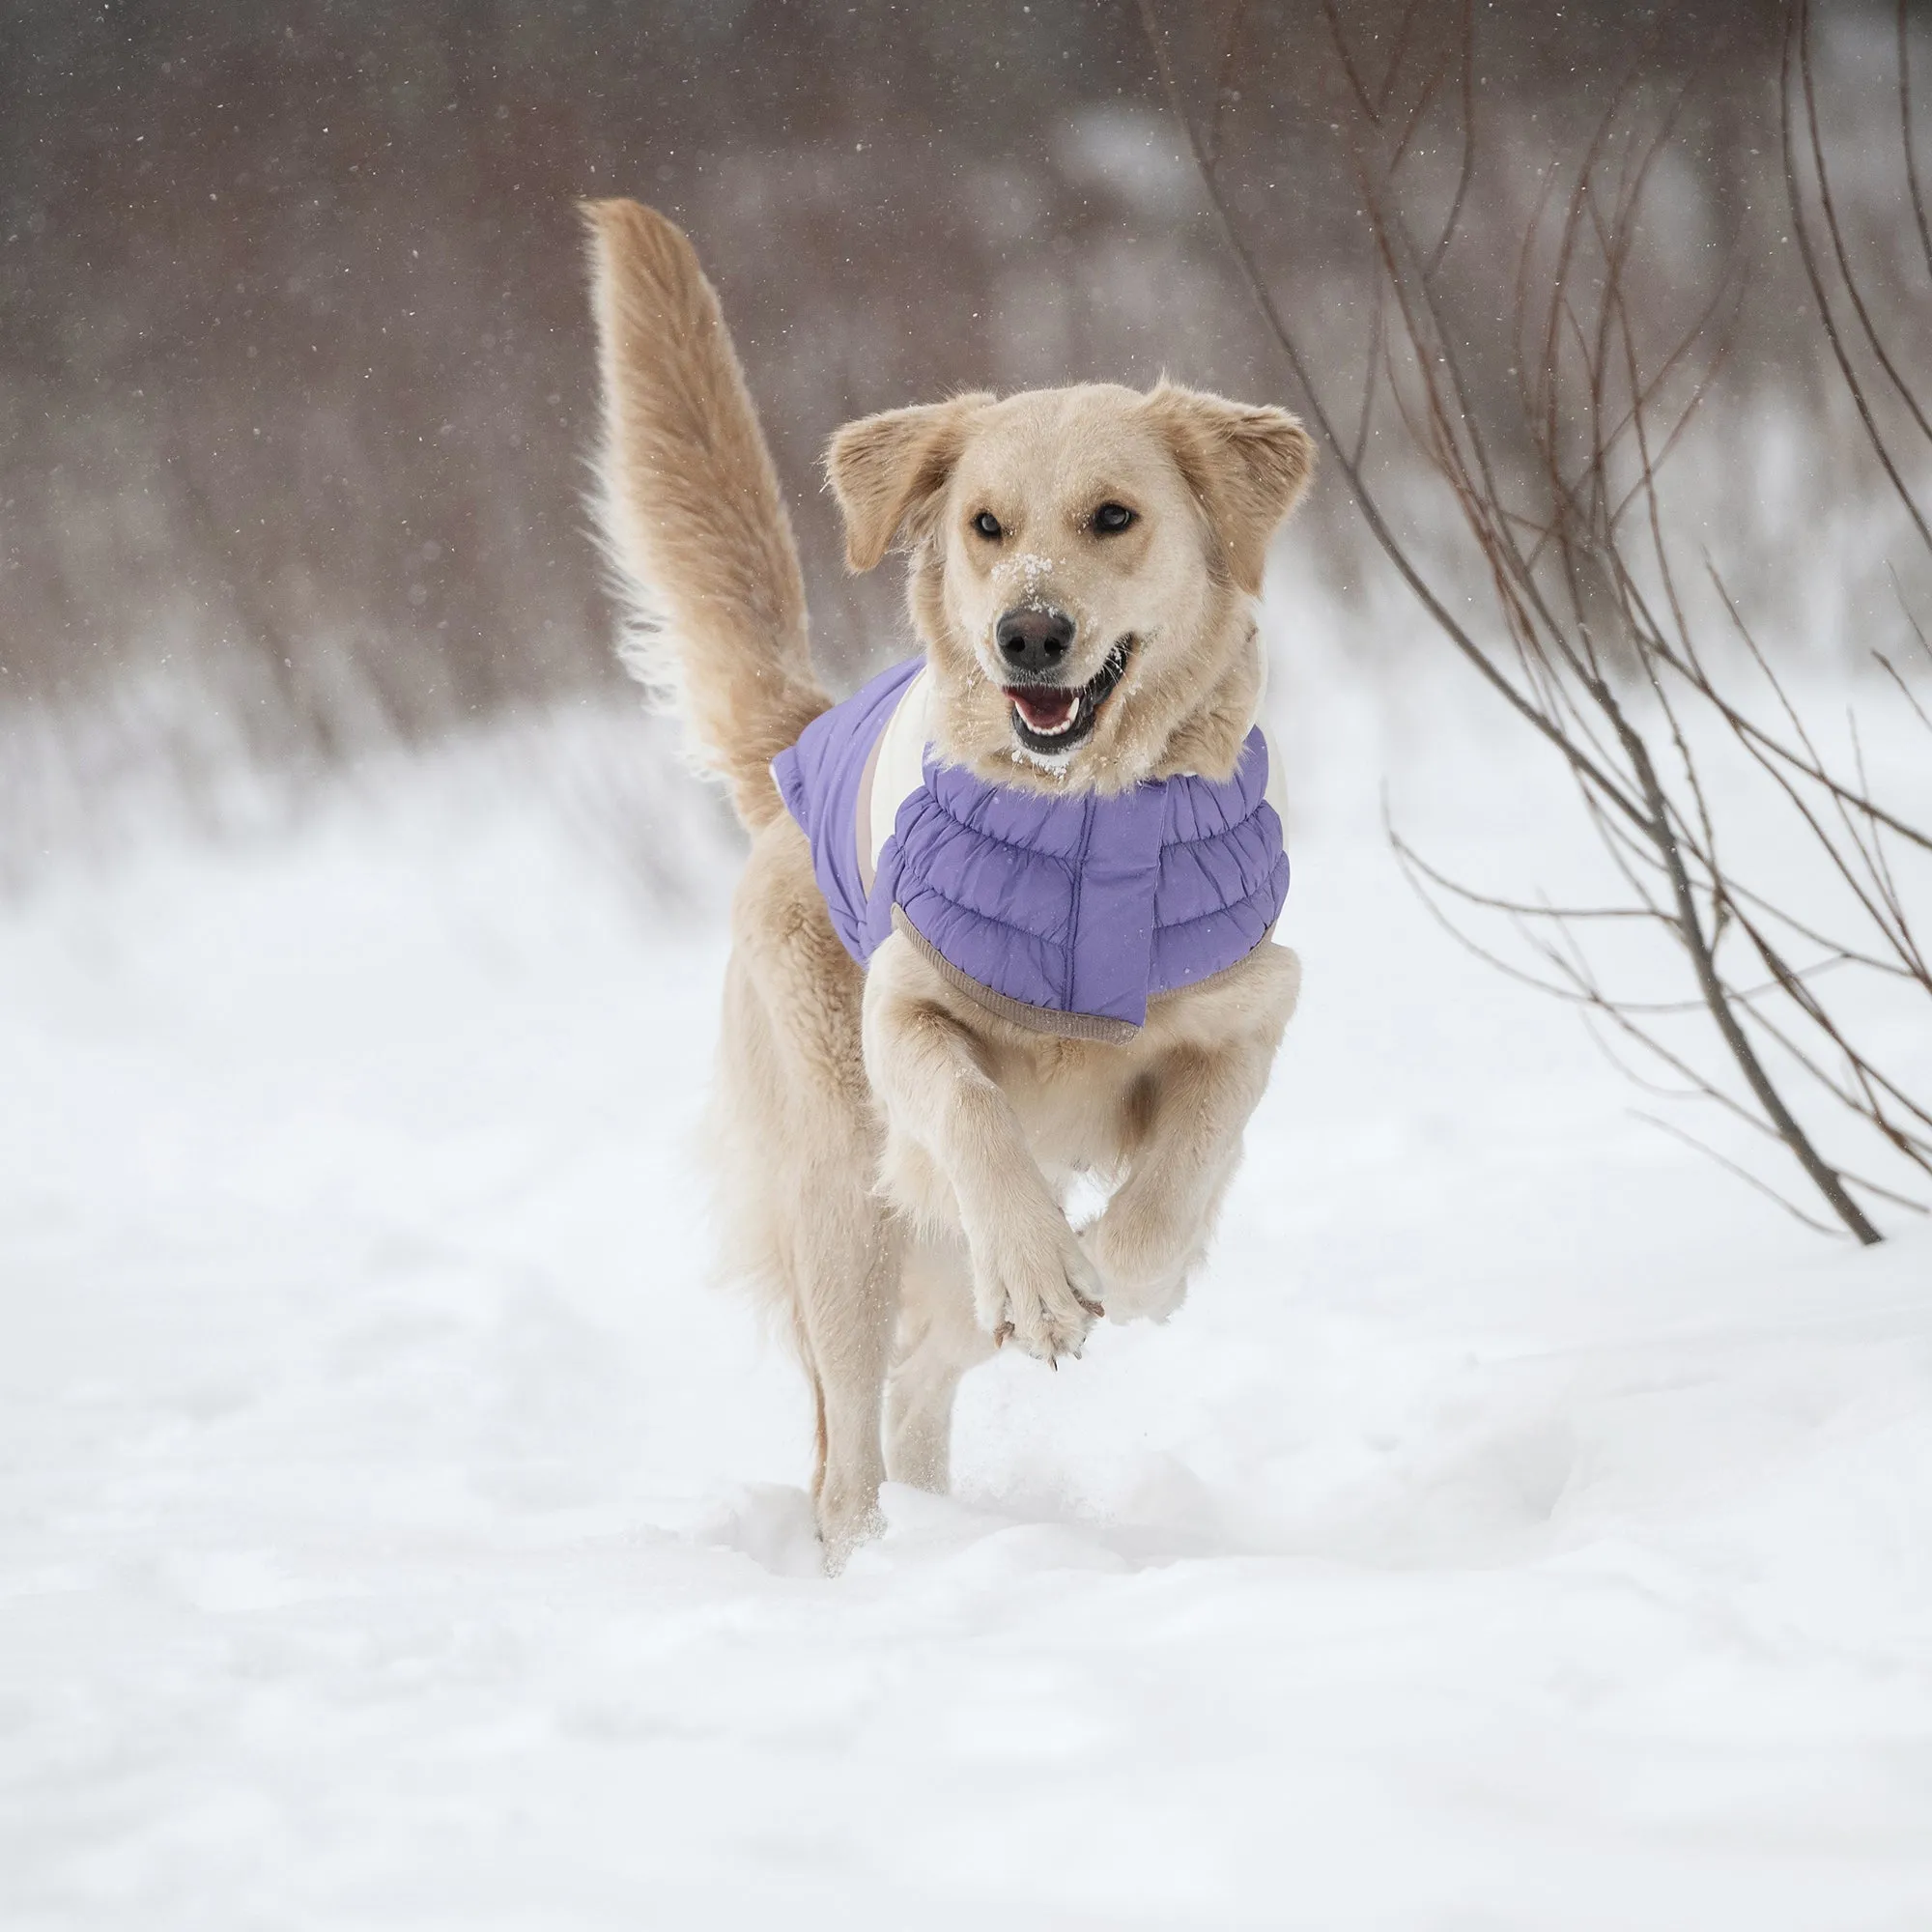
(1051,719)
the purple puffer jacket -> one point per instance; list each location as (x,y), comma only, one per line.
(1062,914)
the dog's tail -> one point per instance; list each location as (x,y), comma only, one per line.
(691,511)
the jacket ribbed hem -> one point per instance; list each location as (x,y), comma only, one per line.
(1017,1013)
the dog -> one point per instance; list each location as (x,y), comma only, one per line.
(894,1140)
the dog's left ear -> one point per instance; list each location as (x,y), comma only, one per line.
(1247,467)
(886,469)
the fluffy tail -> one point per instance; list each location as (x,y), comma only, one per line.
(691,511)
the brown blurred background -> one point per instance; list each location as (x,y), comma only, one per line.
(297,374)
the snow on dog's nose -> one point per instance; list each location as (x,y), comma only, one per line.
(1033,642)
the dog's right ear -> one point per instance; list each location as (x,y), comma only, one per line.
(885,470)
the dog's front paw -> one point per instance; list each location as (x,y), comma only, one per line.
(1143,1300)
(1141,1280)
(1041,1295)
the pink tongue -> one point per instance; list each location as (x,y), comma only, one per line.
(1045,710)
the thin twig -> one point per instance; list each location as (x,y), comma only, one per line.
(1905,137)
(1745,1175)
(1798,30)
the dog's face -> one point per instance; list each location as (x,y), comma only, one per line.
(1083,562)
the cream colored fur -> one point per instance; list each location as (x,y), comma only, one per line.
(690,510)
(896,1159)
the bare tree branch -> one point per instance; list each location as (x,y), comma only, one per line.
(1743,1174)
(1798,35)
(1905,137)
(1593,643)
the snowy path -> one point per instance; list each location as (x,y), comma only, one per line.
(1522,1527)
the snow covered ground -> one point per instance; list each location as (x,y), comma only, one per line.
(1523,1526)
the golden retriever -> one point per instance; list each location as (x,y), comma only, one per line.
(894,1158)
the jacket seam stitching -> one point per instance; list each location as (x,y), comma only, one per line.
(1079,883)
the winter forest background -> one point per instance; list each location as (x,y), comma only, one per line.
(298,389)
(1523,1523)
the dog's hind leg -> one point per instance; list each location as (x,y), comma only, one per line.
(798,1151)
(845,1278)
(940,1339)
(803,1222)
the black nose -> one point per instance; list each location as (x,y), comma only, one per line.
(1034,641)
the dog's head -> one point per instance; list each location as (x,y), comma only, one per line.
(1083,562)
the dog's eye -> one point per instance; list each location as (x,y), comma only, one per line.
(988,526)
(1111,519)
